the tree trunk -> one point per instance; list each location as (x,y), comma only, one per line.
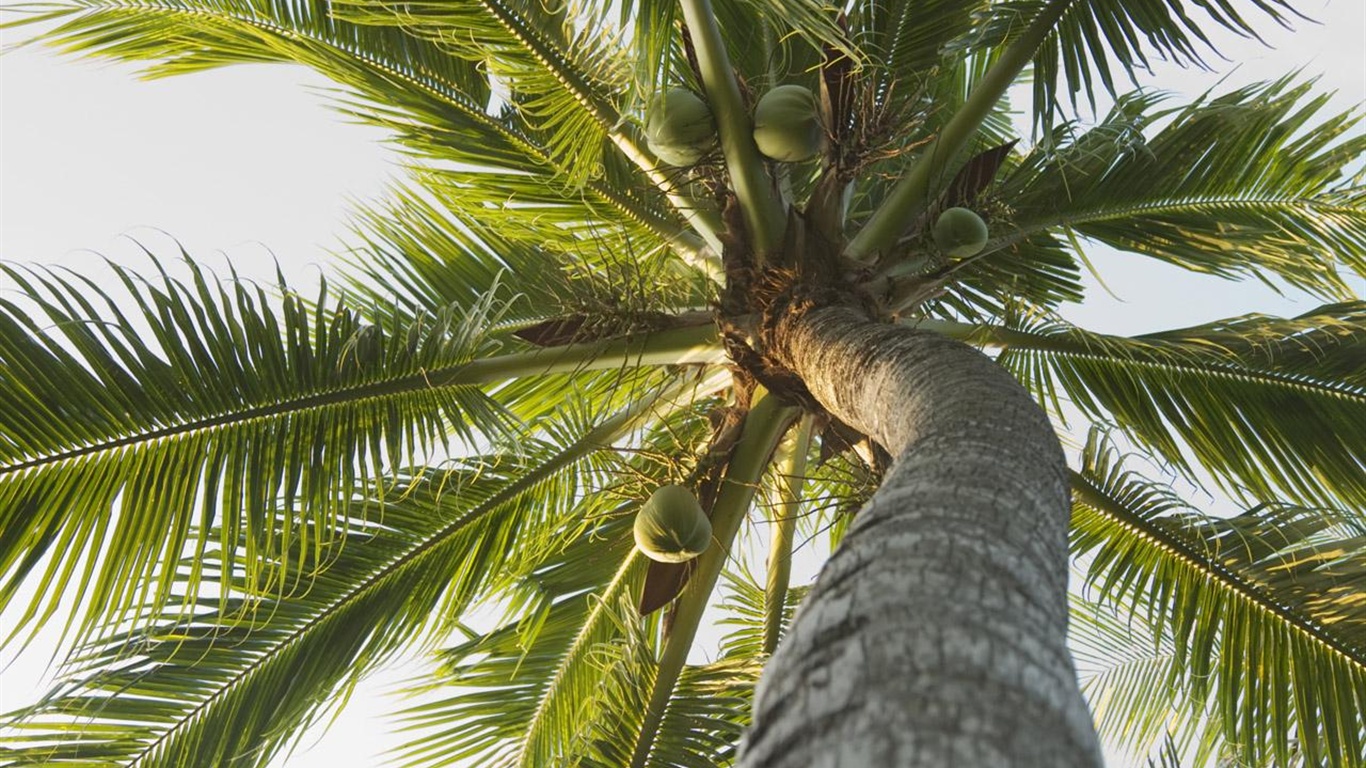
(935,635)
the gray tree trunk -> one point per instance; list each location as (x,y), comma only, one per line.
(934,635)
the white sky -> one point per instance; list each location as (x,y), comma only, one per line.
(241,163)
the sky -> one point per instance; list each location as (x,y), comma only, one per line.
(248,165)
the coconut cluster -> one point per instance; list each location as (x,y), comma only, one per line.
(680,128)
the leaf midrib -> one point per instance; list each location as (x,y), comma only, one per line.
(1096,498)
(390,388)
(577,357)
(1175,205)
(1028,341)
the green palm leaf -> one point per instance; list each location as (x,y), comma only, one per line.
(121,441)
(509,678)
(1126,674)
(1264,610)
(594,580)
(1248,183)
(564,77)
(412,255)
(571,603)
(417,252)
(1271,407)
(566,83)
(906,37)
(1097,40)
(1040,271)
(560,682)
(186,690)
(706,714)
(229,405)
(745,603)
(229,684)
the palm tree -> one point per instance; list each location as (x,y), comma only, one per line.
(254,498)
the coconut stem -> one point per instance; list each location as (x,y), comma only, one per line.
(764,426)
(910,196)
(762,210)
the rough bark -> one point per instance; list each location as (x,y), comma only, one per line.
(935,635)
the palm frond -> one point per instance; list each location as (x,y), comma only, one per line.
(1263,610)
(743,602)
(137,442)
(565,82)
(413,255)
(1270,407)
(1096,42)
(836,488)
(651,30)
(796,31)
(586,250)
(707,714)
(436,103)
(562,74)
(403,74)
(419,252)
(1040,271)
(598,563)
(569,606)
(216,684)
(505,678)
(628,668)
(1249,183)
(568,675)
(904,38)
(134,416)
(227,683)
(1126,674)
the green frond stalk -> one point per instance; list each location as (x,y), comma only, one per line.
(764,426)
(911,194)
(689,345)
(763,211)
(783,527)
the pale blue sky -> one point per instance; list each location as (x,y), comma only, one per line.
(240,163)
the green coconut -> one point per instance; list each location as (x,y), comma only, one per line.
(679,128)
(960,233)
(787,124)
(671,526)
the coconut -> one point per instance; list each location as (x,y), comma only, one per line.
(671,526)
(960,233)
(787,124)
(679,128)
